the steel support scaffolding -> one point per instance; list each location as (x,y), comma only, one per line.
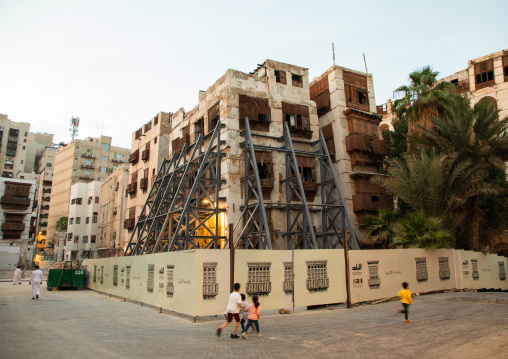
(184,208)
(184,204)
(300,232)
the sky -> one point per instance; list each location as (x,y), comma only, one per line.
(116,64)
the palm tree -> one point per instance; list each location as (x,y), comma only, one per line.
(423,98)
(417,230)
(380,227)
(436,184)
(469,134)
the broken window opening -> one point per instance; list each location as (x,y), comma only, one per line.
(297,80)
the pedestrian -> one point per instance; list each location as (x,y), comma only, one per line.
(36,281)
(244,313)
(405,299)
(17,276)
(233,309)
(254,313)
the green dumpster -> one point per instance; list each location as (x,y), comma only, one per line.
(66,277)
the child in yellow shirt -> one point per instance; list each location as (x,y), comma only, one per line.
(405,299)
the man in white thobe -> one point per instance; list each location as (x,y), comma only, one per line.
(36,281)
(17,276)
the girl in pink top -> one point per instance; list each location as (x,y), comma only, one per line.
(254,313)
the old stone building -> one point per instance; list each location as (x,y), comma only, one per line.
(91,159)
(113,206)
(284,122)
(13,146)
(150,145)
(346,107)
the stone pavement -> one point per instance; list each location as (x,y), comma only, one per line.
(86,324)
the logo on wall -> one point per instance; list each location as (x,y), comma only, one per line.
(374,280)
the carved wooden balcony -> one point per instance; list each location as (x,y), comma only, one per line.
(145,155)
(15,202)
(13,226)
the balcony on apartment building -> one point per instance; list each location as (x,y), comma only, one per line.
(13,227)
(132,187)
(134,157)
(129,223)
(116,160)
(86,177)
(46,190)
(87,155)
(45,207)
(358,142)
(145,155)
(89,167)
(43,224)
(13,202)
(46,199)
(460,86)
(143,184)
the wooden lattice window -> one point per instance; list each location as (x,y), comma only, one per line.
(320,93)
(330,142)
(199,128)
(128,277)
(150,280)
(355,87)
(115,275)
(502,271)
(170,286)
(257,110)
(444,268)
(421,269)
(374,280)
(474,264)
(484,74)
(288,278)
(210,285)
(280,76)
(317,276)
(258,281)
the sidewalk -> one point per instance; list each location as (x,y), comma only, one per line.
(85,324)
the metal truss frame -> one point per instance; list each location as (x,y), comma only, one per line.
(184,196)
(300,233)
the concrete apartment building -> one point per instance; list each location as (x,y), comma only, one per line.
(82,225)
(346,107)
(41,206)
(91,159)
(150,145)
(16,201)
(37,143)
(484,79)
(273,94)
(113,206)
(13,146)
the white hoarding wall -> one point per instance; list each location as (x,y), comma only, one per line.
(197,282)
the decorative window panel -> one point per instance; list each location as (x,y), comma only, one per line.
(502,271)
(484,74)
(258,281)
(421,269)
(280,76)
(102,274)
(374,280)
(476,274)
(150,281)
(115,275)
(127,277)
(444,268)
(94,273)
(317,276)
(170,286)
(210,285)
(288,283)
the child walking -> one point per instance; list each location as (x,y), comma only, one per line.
(254,313)
(234,304)
(244,313)
(405,299)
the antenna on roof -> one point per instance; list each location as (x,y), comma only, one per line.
(333,51)
(74,127)
(365,62)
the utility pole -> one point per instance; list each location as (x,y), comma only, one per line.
(346,264)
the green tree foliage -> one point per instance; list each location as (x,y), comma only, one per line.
(417,230)
(380,227)
(62,223)
(396,140)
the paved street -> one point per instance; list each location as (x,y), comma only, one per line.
(85,324)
